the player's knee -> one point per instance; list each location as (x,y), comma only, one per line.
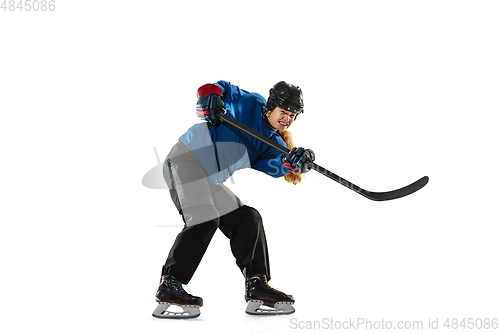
(253,216)
(254,213)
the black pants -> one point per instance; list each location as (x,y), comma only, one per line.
(196,197)
(244,229)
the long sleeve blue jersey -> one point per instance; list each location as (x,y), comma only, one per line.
(223,149)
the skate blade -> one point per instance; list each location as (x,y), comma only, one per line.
(256,307)
(188,311)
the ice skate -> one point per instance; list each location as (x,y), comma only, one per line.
(264,300)
(170,292)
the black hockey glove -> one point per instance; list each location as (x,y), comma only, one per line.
(209,103)
(298,160)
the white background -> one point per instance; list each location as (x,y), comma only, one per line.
(394,90)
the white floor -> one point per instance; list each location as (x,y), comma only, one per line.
(348,261)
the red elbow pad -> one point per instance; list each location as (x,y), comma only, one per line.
(209,89)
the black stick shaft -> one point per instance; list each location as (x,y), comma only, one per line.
(377,196)
(253,133)
(285,150)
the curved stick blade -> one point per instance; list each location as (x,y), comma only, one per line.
(399,193)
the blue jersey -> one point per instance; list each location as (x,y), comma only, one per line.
(223,149)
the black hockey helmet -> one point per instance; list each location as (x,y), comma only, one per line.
(286,96)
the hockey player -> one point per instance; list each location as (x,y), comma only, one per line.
(195,169)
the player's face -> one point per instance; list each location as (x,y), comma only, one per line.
(280,119)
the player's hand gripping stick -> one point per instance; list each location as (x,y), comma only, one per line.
(209,103)
(298,160)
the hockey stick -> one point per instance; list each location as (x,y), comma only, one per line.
(376,196)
